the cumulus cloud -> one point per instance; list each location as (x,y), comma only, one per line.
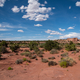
(37,25)
(74,17)
(70,35)
(15,9)
(69,7)
(78,3)
(61,29)
(35,11)
(45,2)
(53,7)
(52,32)
(20,31)
(49,36)
(71,27)
(2,3)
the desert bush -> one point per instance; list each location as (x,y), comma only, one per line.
(26,50)
(51,44)
(3,49)
(53,51)
(9,68)
(42,45)
(0,55)
(64,54)
(33,57)
(24,59)
(14,47)
(32,45)
(28,60)
(70,46)
(36,49)
(52,57)
(16,53)
(79,57)
(3,43)
(52,63)
(26,54)
(77,50)
(36,59)
(40,55)
(44,60)
(40,52)
(65,62)
(19,61)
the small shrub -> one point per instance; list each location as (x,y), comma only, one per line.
(52,63)
(36,59)
(11,55)
(26,50)
(40,55)
(28,61)
(79,57)
(62,51)
(3,49)
(26,54)
(9,68)
(44,60)
(33,57)
(53,51)
(16,53)
(77,50)
(64,64)
(24,59)
(40,52)
(3,43)
(14,47)
(51,57)
(64,55)
(36,49)
(19,61)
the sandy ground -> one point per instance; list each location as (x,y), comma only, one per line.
(37,70)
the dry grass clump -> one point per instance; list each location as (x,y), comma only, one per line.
(53,51)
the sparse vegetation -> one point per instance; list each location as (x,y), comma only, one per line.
(53,51)
(19,61)
(9,68)
(44,60)
(24,59)
(52,63)
(3,49)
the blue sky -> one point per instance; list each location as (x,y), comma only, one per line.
(39,19)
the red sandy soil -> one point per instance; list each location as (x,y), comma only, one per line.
(37,70)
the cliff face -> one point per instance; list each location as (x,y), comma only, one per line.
(73,39)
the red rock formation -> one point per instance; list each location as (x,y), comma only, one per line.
(72,39)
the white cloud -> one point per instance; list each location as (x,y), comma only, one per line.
(15,9)
(69,7)
(3,29)
(49,36)
(20,31)
(74,17)
(42,5)
(70,35)
(22,8)
(2,3)
(37,25)
(51,32)
(61,29)
(45,2)
(0,25)
(35,12)
(53,7)
(71,27)
(78,3)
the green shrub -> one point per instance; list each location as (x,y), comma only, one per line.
(52,57)
(24,59)
(40,52)
(33,57)
(40,55)
(16,53)
(3,49)
(26,54)
(53,51)
(52,63)
(51,44)
(32,45)
(64,64)
(70,46)
(36,49)
(19,61)
(42,45)
(14,47)
(0,55)
(28,61)
(64,54)
(9,68)
(44,60)
(3,43)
